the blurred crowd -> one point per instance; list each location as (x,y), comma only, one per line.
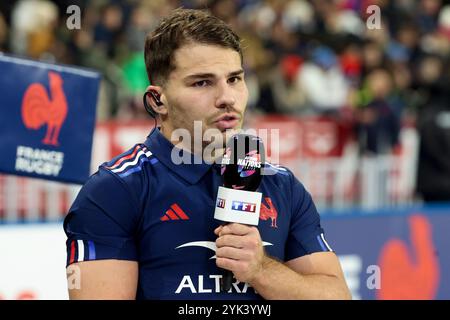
(302,57)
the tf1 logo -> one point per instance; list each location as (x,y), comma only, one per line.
(220,203)
(243,206)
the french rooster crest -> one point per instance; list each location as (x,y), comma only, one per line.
(38,108)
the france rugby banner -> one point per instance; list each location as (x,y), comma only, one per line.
(47,118)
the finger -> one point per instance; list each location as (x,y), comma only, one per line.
(232,253)
(228,264)
(230,240)
(217,230)
(236,229)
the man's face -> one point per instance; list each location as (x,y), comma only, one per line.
(207,85)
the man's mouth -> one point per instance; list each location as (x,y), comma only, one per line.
(227,122)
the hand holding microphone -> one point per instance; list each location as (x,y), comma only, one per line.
(238,202)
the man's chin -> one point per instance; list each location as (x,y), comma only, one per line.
(214,130)
(227,134)
(215,142)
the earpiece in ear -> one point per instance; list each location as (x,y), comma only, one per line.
(148,107)
(156,97)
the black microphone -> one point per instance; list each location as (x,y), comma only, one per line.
(237,200)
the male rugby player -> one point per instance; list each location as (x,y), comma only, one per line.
(143,226)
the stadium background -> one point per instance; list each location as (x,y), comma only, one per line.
(363,114)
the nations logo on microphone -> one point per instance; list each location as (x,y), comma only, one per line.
(40,108)
(247,166)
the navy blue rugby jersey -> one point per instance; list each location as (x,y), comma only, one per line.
(143,207)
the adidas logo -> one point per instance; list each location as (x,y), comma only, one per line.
(174,213)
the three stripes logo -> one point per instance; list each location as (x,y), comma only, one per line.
(174,213)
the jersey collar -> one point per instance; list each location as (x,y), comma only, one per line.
(161,148)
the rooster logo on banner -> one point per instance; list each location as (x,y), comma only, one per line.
(38,108)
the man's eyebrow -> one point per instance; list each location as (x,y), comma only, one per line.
(211,75)
(236,73)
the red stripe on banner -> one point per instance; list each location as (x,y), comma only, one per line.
(172,215)
(179,211)
(119,161)
(164,218)
(72,252)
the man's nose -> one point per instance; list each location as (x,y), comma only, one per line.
(225,95)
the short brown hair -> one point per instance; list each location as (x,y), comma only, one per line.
(181,27)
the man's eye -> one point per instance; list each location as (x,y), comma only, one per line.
(234,79)
(202,83)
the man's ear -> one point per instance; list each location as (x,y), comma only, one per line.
(156,103)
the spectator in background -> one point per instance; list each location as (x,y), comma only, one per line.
(143,18)
(281,91)
(380,36)
(427,15)
(406,44)
(135,82)
(351,63)
(378,124)
(433,182)
(373,56)
(323,82)
(33,27)
(107,30)
(438,41)
(298,16)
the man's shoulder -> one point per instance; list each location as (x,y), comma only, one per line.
(127,169)
(123,176)
(130,163)
(275,171)
(282,177)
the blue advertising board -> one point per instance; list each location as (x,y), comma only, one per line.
(47,118)
(395,253)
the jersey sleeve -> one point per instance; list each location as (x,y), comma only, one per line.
(101,224)
(306,235)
